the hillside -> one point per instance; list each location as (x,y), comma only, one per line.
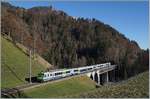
(66,42)
(84,87)
(15,65)
(135,87)
(70,86)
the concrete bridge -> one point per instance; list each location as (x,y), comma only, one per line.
(103,75)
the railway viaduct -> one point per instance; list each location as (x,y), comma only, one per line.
(103,75)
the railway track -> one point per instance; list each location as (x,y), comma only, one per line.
(16,89)
(33,85)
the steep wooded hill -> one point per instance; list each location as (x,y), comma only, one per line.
(68,42)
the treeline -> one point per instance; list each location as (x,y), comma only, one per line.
(68,42)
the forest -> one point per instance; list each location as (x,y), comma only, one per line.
(66,42)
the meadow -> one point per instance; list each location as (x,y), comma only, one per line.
(15,65)
(70,86)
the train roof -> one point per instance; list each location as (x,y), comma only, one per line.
(57,70)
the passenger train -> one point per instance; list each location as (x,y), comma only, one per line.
(57,74)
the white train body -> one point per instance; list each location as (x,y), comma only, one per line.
(51,75)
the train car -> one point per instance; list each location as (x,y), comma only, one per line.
(85,69)
(57,74)
(68,72)
(46,76)
(76,71)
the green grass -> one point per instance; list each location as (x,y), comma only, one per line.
(63,88)
(15,65)
(136,87)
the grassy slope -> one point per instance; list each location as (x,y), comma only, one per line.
(15,65)
(60,89)
(135,87)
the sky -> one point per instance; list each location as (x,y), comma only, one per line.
(129,18)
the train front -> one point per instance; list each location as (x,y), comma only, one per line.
(40,77)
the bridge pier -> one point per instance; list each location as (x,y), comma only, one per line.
(107,77)
(93,74)
(99,79)
(111,76)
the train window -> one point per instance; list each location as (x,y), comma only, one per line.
(59,73)
(82,70)
(89,68)
(56,73)
(75,70)
(67,71)
(45,75)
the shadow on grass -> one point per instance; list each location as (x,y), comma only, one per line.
(13,93)
(33,79)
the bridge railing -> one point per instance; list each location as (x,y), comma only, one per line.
(108,68)
(105,68)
